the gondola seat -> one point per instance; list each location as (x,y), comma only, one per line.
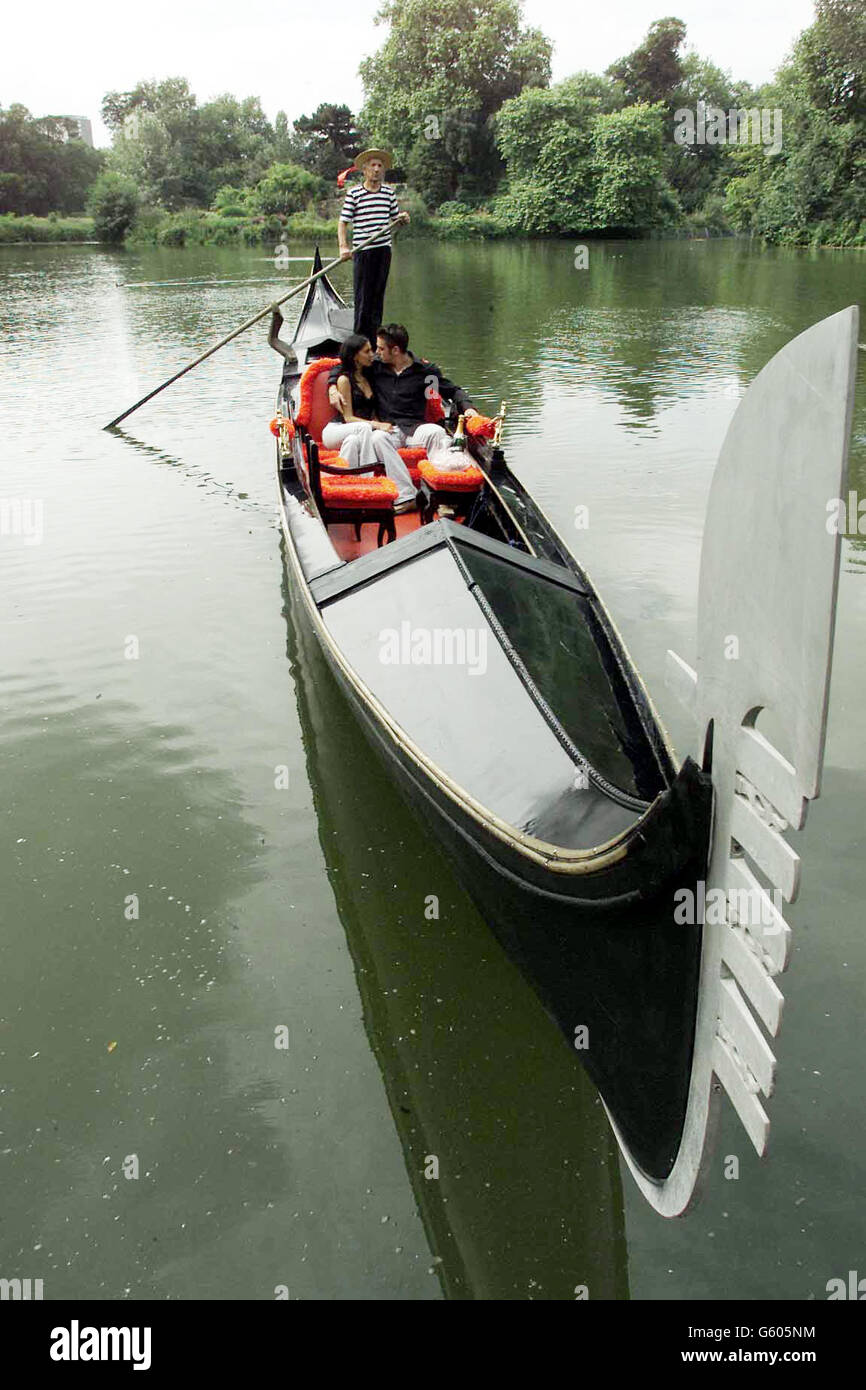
(359,495)
(356,492)
(468,479)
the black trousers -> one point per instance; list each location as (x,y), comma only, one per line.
(370,278)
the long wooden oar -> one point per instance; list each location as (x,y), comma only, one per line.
(249,323)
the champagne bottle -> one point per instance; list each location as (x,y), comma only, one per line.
(458,441)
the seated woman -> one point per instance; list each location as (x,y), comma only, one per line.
(360,437)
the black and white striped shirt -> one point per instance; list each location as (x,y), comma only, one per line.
(368,211)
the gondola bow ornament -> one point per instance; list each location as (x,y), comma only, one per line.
(766,612)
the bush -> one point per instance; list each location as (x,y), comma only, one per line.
(476,224)
(231,202)
(285,188)
(173,235)
(711,219)
(45,229)
(113,203)
(411,201)
(454,209)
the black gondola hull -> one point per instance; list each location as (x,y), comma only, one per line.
(601,948)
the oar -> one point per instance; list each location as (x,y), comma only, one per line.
(249,323)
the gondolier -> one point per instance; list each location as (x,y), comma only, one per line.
(369,206)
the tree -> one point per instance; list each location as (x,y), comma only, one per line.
(631,192)
(328,141)
(286,146)
(113,204)
(43,167)
(696,171)
(815,188)
(444,70)
(180,153)
(831,56)
(654,71)
(576,166)
(170,99)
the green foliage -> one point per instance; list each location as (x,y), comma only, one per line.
(180,153)
(327,141)
(232,202)
(814,190)
(286,188)
(444,70)
(113,203)
(831,57)
(45,229)
(654,71)
(711,220)
(576,166)
(43,166)
(196,227)
(480,225)
(413,203)
(628,160)
(454,209)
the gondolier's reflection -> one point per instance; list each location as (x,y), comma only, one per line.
(369,207)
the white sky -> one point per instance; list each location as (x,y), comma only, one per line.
(60,58)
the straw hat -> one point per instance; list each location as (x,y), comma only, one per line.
(366,155)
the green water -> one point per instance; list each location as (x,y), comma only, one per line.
(168,732)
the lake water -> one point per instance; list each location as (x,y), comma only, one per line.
(169,904)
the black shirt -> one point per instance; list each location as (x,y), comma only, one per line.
(402,397)
(363,407)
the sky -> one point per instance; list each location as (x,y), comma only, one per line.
(60,58)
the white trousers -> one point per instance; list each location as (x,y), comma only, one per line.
(360,444)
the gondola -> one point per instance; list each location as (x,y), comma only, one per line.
(482,665)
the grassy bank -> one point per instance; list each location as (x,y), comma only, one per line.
(203,228)
(200,228)
(50,228)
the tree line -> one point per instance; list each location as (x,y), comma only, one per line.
(460,90)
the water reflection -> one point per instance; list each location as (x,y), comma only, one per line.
(528,1202)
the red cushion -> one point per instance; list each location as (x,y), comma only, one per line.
(357,492)
(314,409)
(412,458)
(468,479)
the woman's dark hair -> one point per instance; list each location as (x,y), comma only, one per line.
(348,351)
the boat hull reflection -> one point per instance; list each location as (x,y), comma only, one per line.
(528,1201)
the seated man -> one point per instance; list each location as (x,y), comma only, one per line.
(403,385)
